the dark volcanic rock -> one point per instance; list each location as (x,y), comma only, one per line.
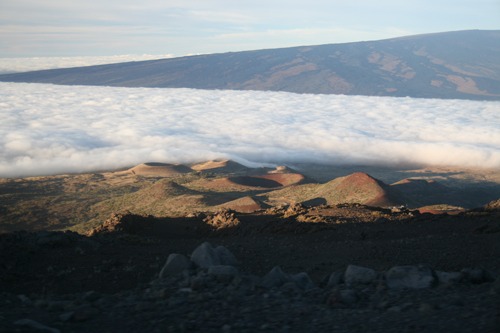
(116,287)
(412,277)
(176,264)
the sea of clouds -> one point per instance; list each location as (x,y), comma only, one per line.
(13,65)
(48,129)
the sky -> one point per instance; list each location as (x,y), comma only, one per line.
(55,28)
(49,129)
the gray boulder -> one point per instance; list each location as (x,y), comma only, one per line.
(359,275)
(275,278)
(303,281)
(411,277)
(176,264)
(205,256)
(33,325)
(334,279)
(223,273)
(225,256)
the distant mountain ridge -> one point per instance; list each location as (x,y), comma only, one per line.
(461,64)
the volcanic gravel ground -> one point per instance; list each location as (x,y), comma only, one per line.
(67,282)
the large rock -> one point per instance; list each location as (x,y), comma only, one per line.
(334,279)
(176,264)
(359,275)
(225,256)
(275,278)
(223,273)
(303,281)
(411,277)
(206,255)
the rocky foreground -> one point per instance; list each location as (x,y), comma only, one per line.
(348,268)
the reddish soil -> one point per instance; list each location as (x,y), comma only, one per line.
(159,170)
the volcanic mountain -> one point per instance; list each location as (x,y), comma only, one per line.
(220,166)
(358,187)
(154,169)
(461,64)
(246,204)
(422,191)
(162,197)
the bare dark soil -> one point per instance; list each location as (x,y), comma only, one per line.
(101,283)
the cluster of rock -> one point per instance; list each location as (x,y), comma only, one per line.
(126,222)
(224,218)
(222,264)
(493,205)
(207,292)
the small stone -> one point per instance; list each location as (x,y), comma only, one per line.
(40,303)
(66,316)
(348,296)
(198,283)
(449,277)
(56,306)
(342,298)
(394,308)
(290,287)
(426,308)
(495,288)
(175,264)
(334,279)
(359,275)
(91,296)
(185,290)
(226,328)
(411,277)
(477,275)
(223,273)
(143,306)
(384,304)
(83,313)
(161,293)
(25,299)
(35,325)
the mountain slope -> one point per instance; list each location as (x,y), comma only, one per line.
(358,187)
(462,64)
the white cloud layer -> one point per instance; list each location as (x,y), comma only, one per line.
(47,129)
(12,65)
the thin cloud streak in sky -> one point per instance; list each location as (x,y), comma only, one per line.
(47,129)
(91,27)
